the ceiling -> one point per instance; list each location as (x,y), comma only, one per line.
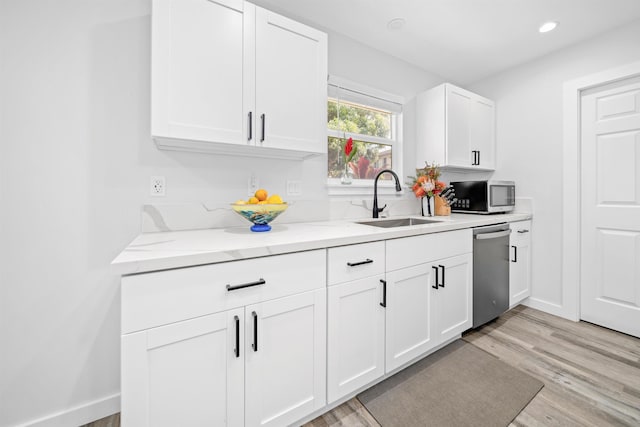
(462,40)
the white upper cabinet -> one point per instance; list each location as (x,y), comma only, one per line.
(229,77)
(291,84)
(455,128)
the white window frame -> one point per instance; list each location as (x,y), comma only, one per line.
(358,94)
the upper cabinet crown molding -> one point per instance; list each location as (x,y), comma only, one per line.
(232,78)
(455,129)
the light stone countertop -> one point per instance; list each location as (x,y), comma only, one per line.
(176,249)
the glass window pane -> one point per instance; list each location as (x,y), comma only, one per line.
(360,119)
(370,158)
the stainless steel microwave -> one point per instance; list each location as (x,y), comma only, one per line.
(484,197)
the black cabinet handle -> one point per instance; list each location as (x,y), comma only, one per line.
(353,264)
(436,284)
(237,349)
(523,231)
(515,254)
(384,293)
(250,133)
(262,119)
(475,161)
(478,162)
(442,267)
(255,331)
(246,285)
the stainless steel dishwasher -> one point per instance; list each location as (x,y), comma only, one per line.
(490,272)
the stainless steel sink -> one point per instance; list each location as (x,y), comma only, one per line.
(399,222)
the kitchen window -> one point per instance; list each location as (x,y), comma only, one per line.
(373,119)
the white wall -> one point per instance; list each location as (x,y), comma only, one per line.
(75,162)
(529,133)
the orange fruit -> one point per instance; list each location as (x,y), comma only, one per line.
(275,199)
(262,202)
(253,200)
(261,194)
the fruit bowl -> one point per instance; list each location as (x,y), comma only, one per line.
(260,214)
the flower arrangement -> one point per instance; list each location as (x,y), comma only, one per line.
(348,151)
(426,183)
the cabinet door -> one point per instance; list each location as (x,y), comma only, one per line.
(202,69)
(453,300)
(458,125)
(186,373)
(520,265)
(482,132)
(355,335)
(408,321)
(286,359)
(291,84)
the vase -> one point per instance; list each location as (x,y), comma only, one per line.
(426,206)
(346,178)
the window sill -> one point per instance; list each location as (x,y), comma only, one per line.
(361,187)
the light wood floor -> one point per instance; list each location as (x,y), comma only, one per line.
(591,374)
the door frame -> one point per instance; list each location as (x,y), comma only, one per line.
(571,155)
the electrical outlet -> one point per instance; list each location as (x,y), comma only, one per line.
(157,186)
(294,188)
(253,185)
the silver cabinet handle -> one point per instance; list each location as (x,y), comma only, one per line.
(484,236)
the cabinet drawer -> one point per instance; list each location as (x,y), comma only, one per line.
(520,231)
(163,297)
(415,250)
(353,262)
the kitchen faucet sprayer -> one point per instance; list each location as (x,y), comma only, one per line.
(376,211)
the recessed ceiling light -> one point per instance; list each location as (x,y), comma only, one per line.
(547,26)
(395,24)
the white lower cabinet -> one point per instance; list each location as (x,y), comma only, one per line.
(185,373)
(409,320)
(520,263)
(259,362)
(285,359)
(452,303)
(429,298)
(392,310)
(355,344)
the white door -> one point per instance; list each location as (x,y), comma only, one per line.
(610,214)
(458,119)
(355,335)
(202,69)
(291,84)
(188,373)
(452,302)
(285,359)
(408,328)
(482,133)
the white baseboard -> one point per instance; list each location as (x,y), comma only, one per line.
(549,307)
(79,415)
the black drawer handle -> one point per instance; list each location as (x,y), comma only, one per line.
(246,285)
(523,231)
(384,293)
(353,264)
(515,254)
(442,267)
(237,349)
(435,286)
(255,331)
